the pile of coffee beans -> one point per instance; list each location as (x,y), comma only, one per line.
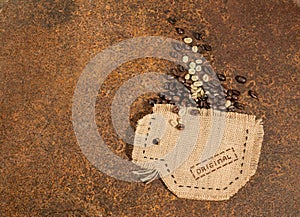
(201,87)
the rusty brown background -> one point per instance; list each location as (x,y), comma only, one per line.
(46,44)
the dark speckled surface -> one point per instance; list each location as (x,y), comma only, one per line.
(46,44)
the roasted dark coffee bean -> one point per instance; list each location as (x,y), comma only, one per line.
(156,141)
(161,95)
(221,77)
(204,97)
(175,72)
(174,54)
(194,112)
(180,68)
(201,49)
(231,108)
(180,79)
(158,101)
(238,105)
(164,102)
(168,97)
(228,98)
(253,94)
(229,92)
(172,20)
(197,35)
(207,105)
(201,104)
(234,97)
(207,47)
(170,77)
(190,82)
(180,126)
(176,46)
(241,79)
(175,109)
(151,102)
(180,31)
(236,92)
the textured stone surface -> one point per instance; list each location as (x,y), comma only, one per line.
(46,44)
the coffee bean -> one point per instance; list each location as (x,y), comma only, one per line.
(180,126)
(156,141)
(192,71)
(161,95)
(180,68)
(228,97)
(198,68)
(180,31)
(158,101)
(221,77)
(241,79)
(253,94)
(197,35)
(201,49)
(189,82)
(151,102)
(221,108)
(195,78)
(172,86)
(180,79)
(198,61)
(187,40)
(185,59)
(228,103)
(187,47)
(176,98)
(236,92)
(171,76)
(195,49)
(194,112)
(234,97)
(172,20)
(176,46)
(175,72)
(201,104)
(174,54)
(207,106)
(176,109)
(205,78)
(167,97)
(178,86)
(231,108)
(207,47)
(192,65)
(238,105)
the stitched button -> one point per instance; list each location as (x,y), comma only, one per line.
(156,141)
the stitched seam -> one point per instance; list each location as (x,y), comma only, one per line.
(209,188)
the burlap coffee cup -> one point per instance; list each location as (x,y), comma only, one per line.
(210,159)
